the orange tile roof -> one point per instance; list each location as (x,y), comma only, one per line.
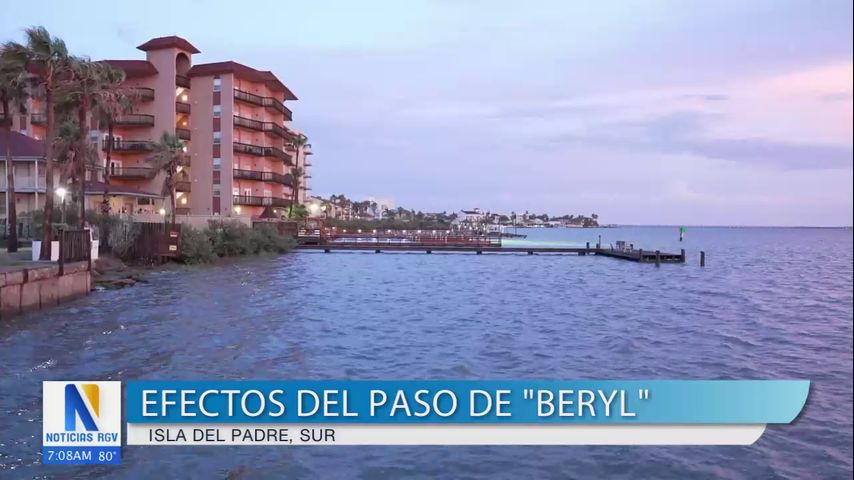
(172,41)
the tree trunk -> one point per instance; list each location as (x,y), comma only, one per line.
(81,160)
(295,187)
(49,189)
(172,202)
(105,208)
(11,211)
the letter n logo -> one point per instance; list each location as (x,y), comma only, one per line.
(75,406)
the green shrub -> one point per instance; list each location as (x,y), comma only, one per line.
(228,239)
(123,234)
(195,246)
(267,239)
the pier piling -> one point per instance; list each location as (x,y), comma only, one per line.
(682,254)
(702,259)
(658,258)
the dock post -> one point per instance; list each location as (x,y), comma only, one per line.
(480,252)
(702,259)
(682,256)
(377,251)
(429,251)
(588,249)
(326,250)
(640,255)
(530,252)
(658,258)
(599,243)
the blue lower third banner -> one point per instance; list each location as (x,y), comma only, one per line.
(435,412)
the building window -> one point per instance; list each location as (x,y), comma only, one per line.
(217,137)
(217,190)
(235,191)
(217,84)
(217,111)
(217,163)
(143,201)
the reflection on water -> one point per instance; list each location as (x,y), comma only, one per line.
(771,303)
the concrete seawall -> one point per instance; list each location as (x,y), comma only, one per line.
(34,288)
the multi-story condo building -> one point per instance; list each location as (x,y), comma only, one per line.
(233,119)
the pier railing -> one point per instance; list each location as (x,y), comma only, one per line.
(397,237)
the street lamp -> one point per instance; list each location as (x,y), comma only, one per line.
(62,192)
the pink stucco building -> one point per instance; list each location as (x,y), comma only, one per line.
(233,119)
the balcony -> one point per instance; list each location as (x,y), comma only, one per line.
(276,129)
(248,123)
(260,201)
(143,94)
(183,186)
(271,177)
(182,81)
(259,101)
(120,145)
(134,120)
(132,172)
(182,133)
(182,107)
(249,149)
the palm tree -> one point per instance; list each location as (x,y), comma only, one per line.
(112,103)
(87,87)
(297,143)
(296,174)
(13,91)
(168,156)
(47,57)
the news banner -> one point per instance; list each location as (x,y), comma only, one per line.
(83,419)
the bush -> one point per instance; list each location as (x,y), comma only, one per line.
(196,246)
(267,239)
(123,235)
(228,239)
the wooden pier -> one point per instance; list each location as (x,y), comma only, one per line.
(641,256)
(330,240)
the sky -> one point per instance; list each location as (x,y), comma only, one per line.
(644,112)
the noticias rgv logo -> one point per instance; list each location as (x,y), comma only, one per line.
(75,407)
(81,422)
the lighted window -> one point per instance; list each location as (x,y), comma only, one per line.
(217,163)
(217,137)
(217,84)
(217,111)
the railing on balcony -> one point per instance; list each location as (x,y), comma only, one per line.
(260,101)
(260,201)
(182,133)
(249,149)
(277,153)
(182,107)
(132,172)
(182,81)
(182,186)
(276,129)
(144,94)
(248,123)
(120,145)
(272,177)
(248,97)
(135,120)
